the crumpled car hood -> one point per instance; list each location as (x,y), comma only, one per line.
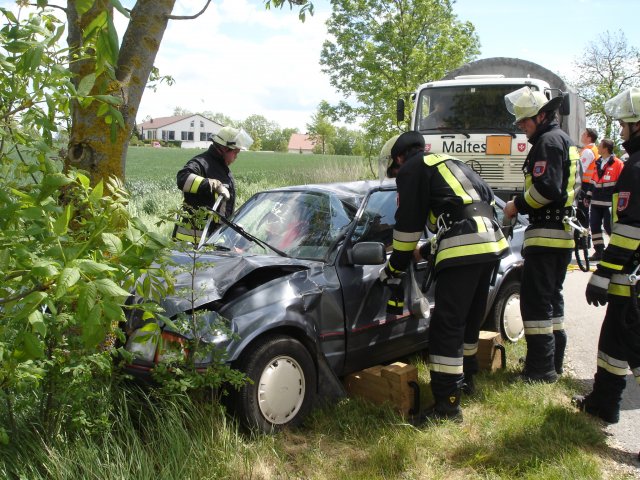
(217,273)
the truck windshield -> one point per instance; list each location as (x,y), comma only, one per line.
(465,108)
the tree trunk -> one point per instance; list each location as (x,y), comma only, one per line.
(90,145)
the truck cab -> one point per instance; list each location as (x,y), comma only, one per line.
(466,117)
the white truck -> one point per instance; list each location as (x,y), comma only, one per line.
(464,115)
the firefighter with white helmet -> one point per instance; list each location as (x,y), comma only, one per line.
(552,182)
(452,200)
(614,282)
(207,176)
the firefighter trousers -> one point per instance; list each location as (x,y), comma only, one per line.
(460,303)
(618,350)
(599,215)
(542,309)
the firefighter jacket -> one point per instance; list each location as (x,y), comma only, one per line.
(588,157)
(603,181)
(622,255)
(192,179)
(454,203)
(552,172)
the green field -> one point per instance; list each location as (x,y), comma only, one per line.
(151,176)
(144,163)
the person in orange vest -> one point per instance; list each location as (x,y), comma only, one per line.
(588,157)
(604,178)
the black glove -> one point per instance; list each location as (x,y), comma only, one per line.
(425,252)
(596,296)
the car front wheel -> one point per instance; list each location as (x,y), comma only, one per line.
(506,312)
(282,387)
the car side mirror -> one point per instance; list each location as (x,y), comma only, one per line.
(400,110)
(368,253)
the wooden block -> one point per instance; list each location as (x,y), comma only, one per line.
(384,384)
(489,356)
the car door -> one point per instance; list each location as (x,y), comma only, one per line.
(373,336)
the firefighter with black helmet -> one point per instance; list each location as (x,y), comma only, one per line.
(206,177)
(615,280)
(552,173)
(452,200)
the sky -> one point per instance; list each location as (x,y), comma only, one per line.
(240,59)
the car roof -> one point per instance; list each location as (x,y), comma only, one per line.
(350,192)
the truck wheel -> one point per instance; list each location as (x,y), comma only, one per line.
(282,387)
(506,312)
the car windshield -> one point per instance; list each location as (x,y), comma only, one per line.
(465,108)
(301,224)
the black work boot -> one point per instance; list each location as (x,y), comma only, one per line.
(445,408)
(469,385)
(469,368)
(560,337)
(605,398)
(608,412)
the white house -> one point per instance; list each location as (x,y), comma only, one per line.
(193,131)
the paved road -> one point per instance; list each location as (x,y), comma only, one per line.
(582,322)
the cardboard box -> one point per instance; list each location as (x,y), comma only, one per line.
(385,384)
(490,351)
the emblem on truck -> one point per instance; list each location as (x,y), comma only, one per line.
(522,147)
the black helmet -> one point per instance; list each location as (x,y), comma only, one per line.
(405,142)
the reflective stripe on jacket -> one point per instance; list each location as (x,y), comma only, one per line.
(436,185)
(552,172)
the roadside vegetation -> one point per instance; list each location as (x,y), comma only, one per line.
(510,430)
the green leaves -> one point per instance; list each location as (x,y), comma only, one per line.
(67,279)
(380,51)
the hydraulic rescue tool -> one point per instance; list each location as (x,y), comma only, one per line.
(581,237)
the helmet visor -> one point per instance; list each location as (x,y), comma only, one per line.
(384,158)
(242,141)
(625,106)
(524,103)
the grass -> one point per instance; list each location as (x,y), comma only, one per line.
(510,430)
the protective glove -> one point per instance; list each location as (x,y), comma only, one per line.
(586,201)
(596,292)
(425,252)
(218,187)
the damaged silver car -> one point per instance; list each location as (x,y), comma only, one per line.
(296,275)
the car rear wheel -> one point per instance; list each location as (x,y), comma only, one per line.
(282,387)
(506,312)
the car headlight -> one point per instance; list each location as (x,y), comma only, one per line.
(143,342)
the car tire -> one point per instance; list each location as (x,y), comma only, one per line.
(506,312)
(282,387)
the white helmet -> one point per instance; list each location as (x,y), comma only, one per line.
(233,138)
(625,106)
(526,103)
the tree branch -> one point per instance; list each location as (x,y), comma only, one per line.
(189,17)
